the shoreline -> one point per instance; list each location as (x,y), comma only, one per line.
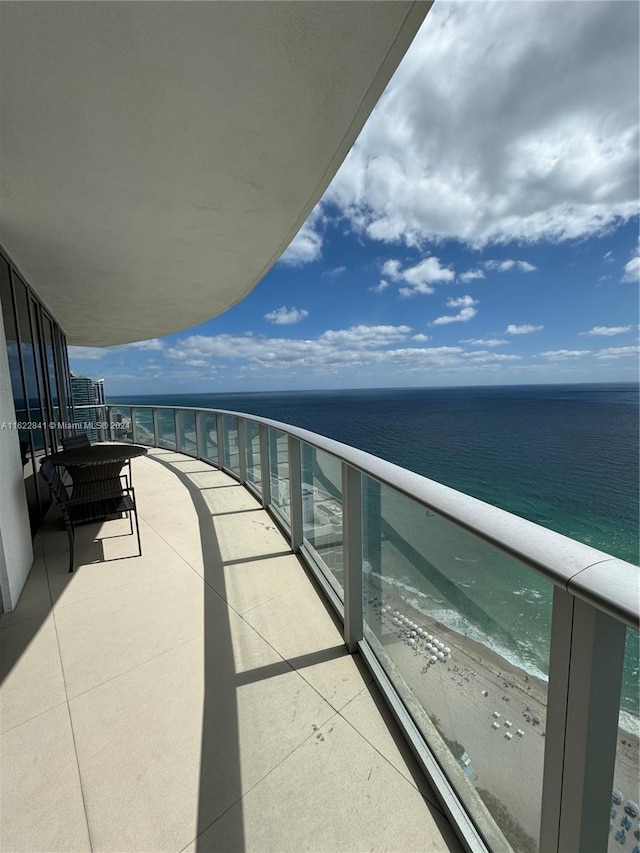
(463,694)
(628,720)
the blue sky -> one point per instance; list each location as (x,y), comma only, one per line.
(483,230)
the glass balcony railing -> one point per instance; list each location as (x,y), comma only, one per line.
(624,826)
(279,473)
(322,513)
(252,451)
(508,653)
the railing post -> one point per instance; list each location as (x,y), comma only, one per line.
(352,555)
(295,493)
(242,450)
(156,431)
(176,425)
(220,440)
(134,428)
(265,471)
(583,704)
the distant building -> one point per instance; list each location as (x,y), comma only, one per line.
(87,392)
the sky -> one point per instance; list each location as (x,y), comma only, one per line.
(483,229)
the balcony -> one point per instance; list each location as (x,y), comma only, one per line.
(296,662)
(197,698)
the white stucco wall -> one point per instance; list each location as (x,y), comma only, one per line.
(16,553)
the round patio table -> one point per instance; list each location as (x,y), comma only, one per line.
(96,462)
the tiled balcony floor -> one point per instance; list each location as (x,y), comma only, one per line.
(197,698)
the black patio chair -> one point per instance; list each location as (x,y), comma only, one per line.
(101,500)
(72,441)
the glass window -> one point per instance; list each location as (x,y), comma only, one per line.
(33,437)
(39,370)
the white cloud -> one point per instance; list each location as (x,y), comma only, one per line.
(88,353)
(333,349)
(418,278)
(619,352)
(461,302)
(306,246)
(483,357)
(378,288)
(286,316)
(462,317)
(608,256)
(632,270)
(153,345)
(505,121)
(367,336)
(485,342)
(606,331)
(335,272)
(521,330)
(559,354)
(97,353)
(470,275)
(509,264)
(420,338)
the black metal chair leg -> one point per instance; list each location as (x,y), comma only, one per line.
(134,512)
(71,535)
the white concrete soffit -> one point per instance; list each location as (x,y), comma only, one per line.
(158,157)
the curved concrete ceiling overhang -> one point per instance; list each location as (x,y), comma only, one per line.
(158,157)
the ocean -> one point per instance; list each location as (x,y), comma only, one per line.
(563,456)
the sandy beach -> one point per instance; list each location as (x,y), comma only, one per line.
(466,692)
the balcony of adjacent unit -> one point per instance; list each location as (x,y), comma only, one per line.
(296,662)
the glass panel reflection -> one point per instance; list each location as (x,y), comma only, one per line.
(121,417)
(143,419)
(463,632)
(252,451)
(166,429)
(279,472)
(624,824)
(208,436)
(187,433)
(322,512)
(230,440)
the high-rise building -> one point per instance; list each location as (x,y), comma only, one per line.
(87,392)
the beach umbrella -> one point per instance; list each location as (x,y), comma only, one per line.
(440,656)
(413,633)
(429,637)
(447,650)
(411,642)
(433,659)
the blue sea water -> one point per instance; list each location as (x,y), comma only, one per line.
(564,456)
